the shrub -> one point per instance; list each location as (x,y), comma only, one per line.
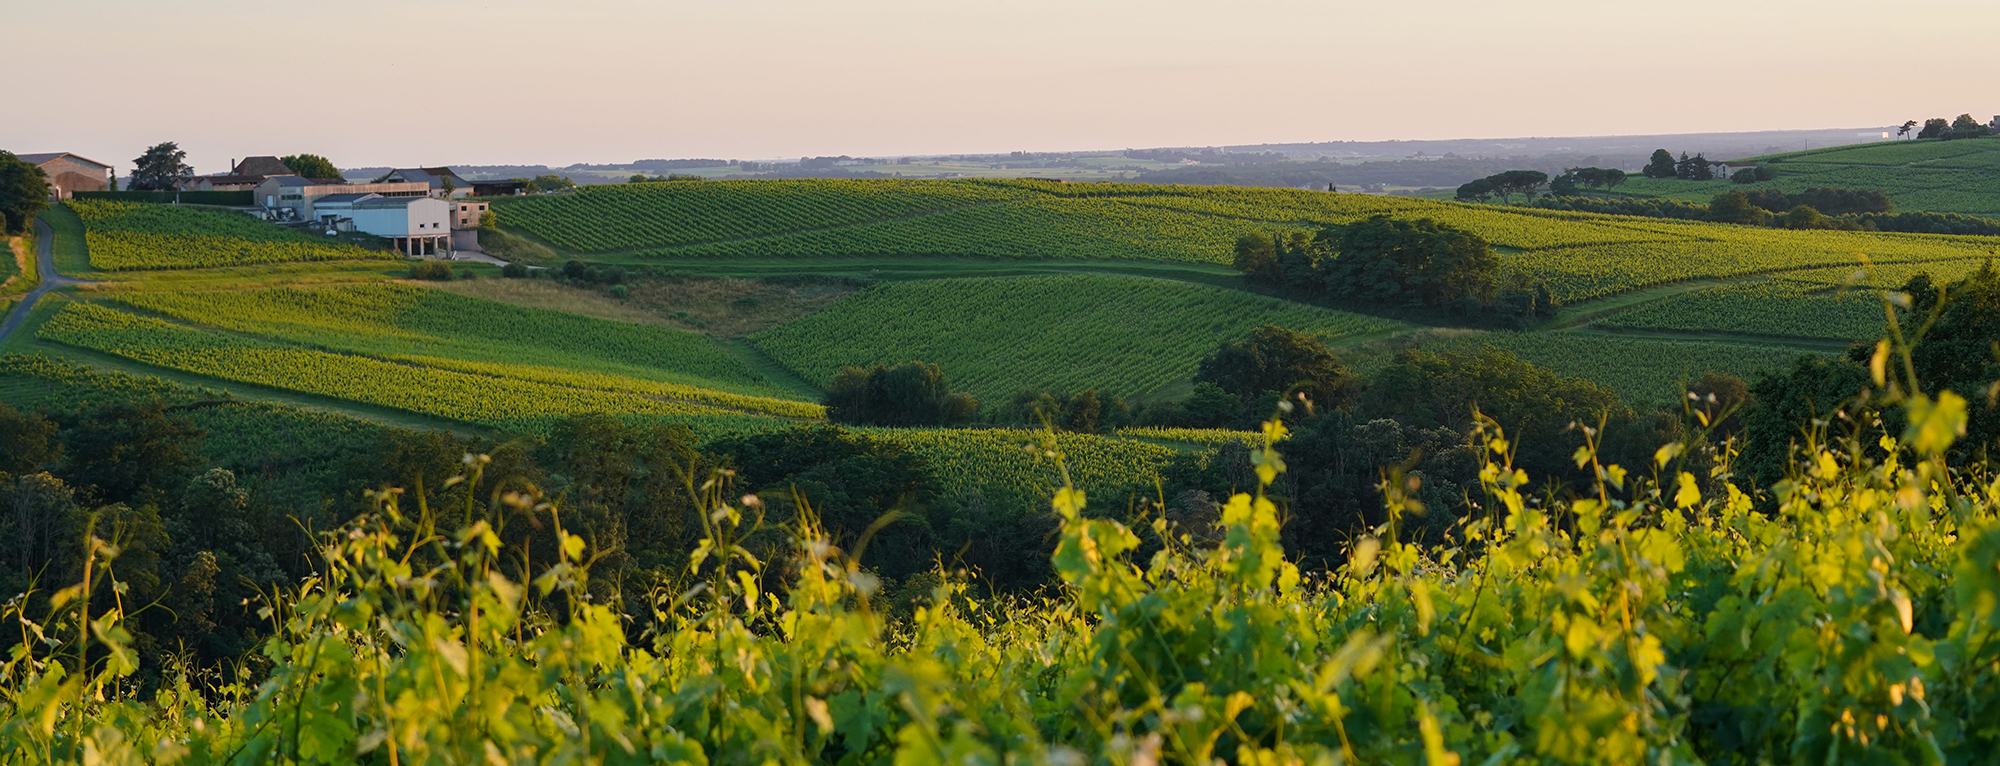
(514,271)
(436,271)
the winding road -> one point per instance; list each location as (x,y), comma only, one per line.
(45,238)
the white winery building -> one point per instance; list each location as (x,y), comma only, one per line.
(418,225)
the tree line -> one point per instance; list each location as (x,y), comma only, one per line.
(1819,208)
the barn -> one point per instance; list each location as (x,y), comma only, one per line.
(69,173)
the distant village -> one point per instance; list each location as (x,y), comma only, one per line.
(422,211)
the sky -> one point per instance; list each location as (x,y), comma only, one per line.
(426,82)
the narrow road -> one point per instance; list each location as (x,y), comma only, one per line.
(45,238)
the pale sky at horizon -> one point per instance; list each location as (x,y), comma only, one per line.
(422,82)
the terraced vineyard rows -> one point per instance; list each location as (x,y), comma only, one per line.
(440,328)
(993,337)
(498,402)
(125,236)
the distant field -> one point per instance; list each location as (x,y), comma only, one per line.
(1942,176)
(125,236)
(1582,256)
(1641,370)
(993,337)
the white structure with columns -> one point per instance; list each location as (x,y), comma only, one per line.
(418,225)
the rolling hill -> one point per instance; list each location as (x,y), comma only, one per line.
(1943,176)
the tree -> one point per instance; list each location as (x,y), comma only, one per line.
(27,442)
(909,394)
(550,182)
(1696,168)
(128,447)
(1418,262)
(1477,190)
(24,194)
(1935,127)
(1513,182)
(1276,359)
(160,168)
(1564,185)
(311,166)
(1257,258)
(1661,166)
(1735,207)
(1967,127)
(1904,132)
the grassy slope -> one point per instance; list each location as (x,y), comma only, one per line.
(1941,176)
(994,337)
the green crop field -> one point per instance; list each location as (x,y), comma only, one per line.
(993,337)
(440,328)
(461,396)
(126,236)
(1582,256)
(1942,176)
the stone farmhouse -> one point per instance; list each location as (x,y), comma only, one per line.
(69,173)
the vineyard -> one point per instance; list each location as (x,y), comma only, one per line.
(1581,255)
(127,236)
(626,217)
(1942,176)
(1662,621)
(479,399)
(437,327)
(994,337)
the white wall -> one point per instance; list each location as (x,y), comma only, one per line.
(424,217)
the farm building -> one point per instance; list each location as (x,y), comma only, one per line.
(298,195)
(465,215)
(243,176)
(436,178)
(419,225)
(69,174)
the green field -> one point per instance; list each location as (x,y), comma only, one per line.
(1582,256)
(1127,337)
(439,328)
(126,236)
(1942,176)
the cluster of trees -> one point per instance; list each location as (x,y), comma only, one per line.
(1754,175)
(311,166)
(1575,179)
(24,194)
(1663,165)
(908,394)
(1384,262)
(1966,126)
(1504,185)
(641,178)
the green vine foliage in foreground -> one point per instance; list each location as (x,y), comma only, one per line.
(1851,622)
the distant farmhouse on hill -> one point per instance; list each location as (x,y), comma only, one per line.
(69,173)
(243,176)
